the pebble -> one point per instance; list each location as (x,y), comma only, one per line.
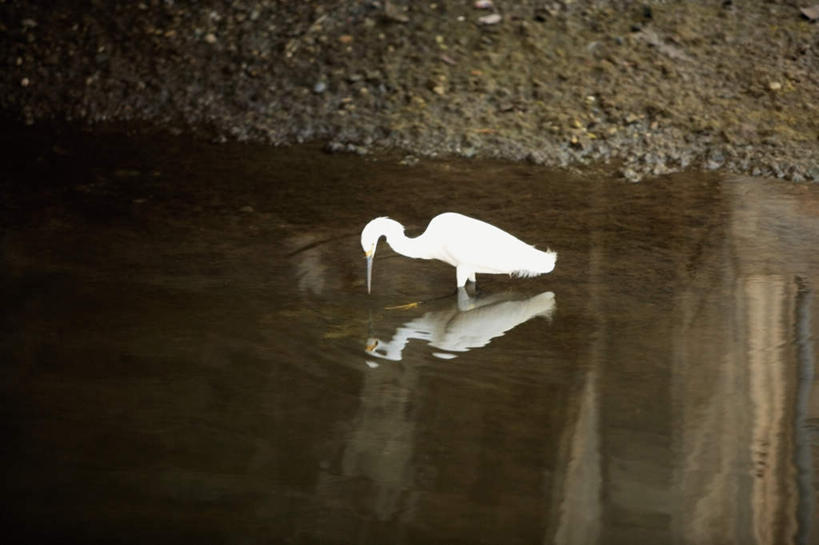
(394,13)
(491,19)
(334,146)
(630,174)
(715,159)
(319,87)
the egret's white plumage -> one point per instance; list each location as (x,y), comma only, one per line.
(470,245)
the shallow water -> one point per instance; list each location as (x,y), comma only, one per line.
(189,353)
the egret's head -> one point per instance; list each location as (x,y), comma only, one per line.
(370,235)
(373,231)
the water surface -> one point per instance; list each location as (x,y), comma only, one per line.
(188,353)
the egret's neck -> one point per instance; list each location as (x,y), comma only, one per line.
(410,247)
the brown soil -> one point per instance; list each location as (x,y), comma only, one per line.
(648,88)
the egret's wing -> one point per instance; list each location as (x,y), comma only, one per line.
(480,246)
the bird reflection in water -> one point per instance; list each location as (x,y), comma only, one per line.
(464,324)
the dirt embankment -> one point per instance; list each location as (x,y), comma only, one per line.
(649,87)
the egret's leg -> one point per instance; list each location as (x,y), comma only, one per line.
(462,274)
(474,282)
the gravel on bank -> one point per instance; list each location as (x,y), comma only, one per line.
(649,88)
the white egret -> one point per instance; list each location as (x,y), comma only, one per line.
(470,245)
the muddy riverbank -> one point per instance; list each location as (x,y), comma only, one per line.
(646,88)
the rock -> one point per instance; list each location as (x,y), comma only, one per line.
(631,119)
(630,174)
(448,60)
(577,142)
(810,13)
(394,13)
(334,146)
(491,19)
(319,87)
(536,157)
(715,159)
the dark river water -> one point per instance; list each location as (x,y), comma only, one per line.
(188,353)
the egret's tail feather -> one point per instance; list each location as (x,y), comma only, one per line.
(525,273)
(541,263)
